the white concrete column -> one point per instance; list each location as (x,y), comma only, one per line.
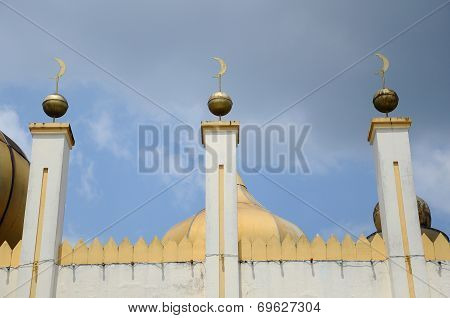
(398,207)
(44,211)
(220,139)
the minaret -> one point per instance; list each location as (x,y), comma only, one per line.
(220,139)
(397,196)
(46,199)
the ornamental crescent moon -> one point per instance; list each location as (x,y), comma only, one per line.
(385,61)
(223,67)
(62,67)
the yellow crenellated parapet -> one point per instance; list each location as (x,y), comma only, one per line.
(110,252)
(363,249)
(125,254)
(259,250)
(318,249)
(304,249)
(428,248)
(288,249)
(186,251)
(378,248)
(199,248)
(170,252)
(348,249)
(10,257)
(80,253)
(441,248)
(140,251)
(65,254)
(15,257)
(95,252)
(334,250)
(273,249)
(5,255)
(155,251)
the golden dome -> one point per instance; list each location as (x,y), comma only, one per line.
(14,169)
(254,221)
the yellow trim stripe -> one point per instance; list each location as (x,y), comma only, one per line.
(37,248)
(401,211)
(221,234)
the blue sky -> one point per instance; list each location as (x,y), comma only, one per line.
(123,59)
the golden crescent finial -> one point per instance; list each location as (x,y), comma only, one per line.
(62,67)
(385,99)
(55,105)
(220,103)
(62,70)
(223,67)
(384,67)
(385,61)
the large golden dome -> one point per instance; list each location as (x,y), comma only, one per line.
(254,221)
(14,168)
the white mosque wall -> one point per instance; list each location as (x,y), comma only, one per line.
(331,279)
(125,280)
(8,281)
(315,279)
(439,278)
(267,269)
(257,279)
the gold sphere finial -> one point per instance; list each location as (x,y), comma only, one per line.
(220,103)
(55,105)
(385,99)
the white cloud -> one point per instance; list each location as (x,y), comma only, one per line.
(10,125)
(105,135)
(87,186)
(87,182)
(432,177)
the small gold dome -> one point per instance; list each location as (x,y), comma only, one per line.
(423,209)
(424,219)
(385,100)
(254,222)
(220,104)
(55,105)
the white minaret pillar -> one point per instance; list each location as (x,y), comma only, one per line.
(44,211)
(220,139)
(398,206)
